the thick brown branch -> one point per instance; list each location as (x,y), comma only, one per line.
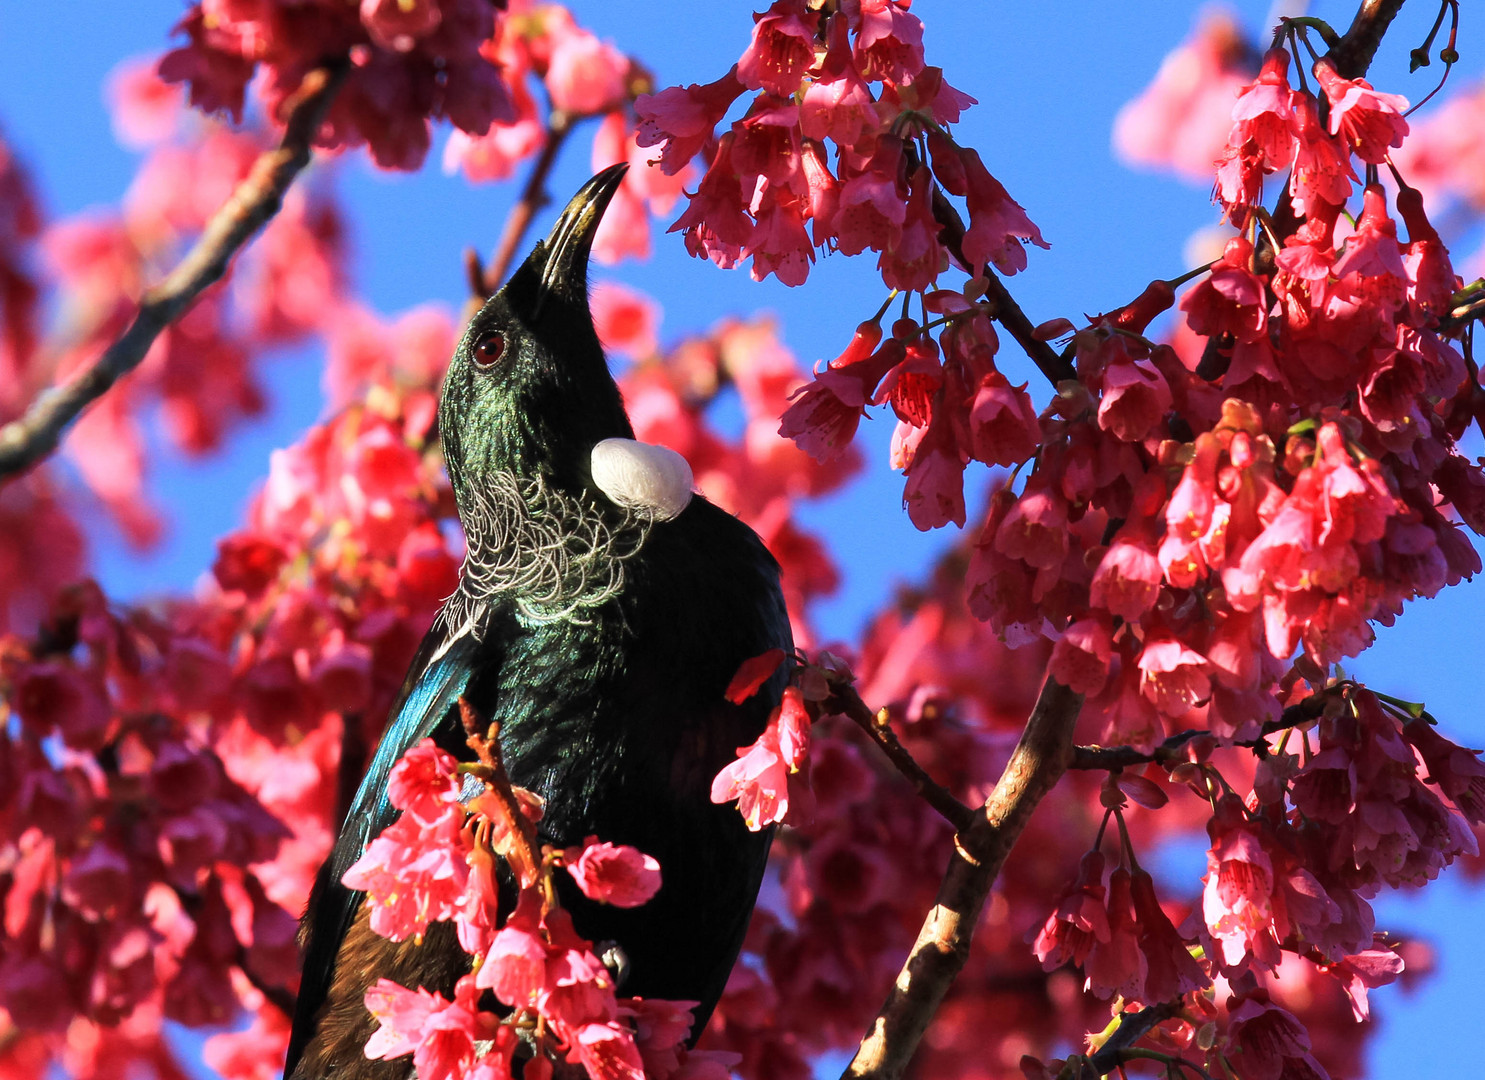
(1039,760)
(1173,748)
(533,197)
(846,702)
(1359,44)
(25,441)
(1007,312)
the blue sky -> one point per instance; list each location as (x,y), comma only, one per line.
(1049,79)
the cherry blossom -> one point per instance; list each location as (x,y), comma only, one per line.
(617,875)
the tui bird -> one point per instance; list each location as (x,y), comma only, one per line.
(601,611)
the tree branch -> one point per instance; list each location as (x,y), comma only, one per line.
(1007,312)
(1124,757)
(1465,306)
(523,852)
(1359,44)
(1132,1028)
(845,701)
(25,441)
(1039,760)
(533,197)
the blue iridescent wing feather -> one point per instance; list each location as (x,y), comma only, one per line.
(439,674)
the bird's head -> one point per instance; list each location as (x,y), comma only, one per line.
(528,390)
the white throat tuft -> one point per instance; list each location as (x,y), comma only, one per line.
(653,481)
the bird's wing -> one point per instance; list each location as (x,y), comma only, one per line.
(439,673)
(442,668)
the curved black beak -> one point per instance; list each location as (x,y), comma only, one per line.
(560,262)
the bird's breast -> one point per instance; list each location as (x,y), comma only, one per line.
(547,555)
(622,698)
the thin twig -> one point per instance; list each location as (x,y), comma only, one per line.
(1007,312)
(845,701)
(484,740)
(25,441)
(1125,757)
(980,851)
(533,197)
(1465,306)
(1176,1066)
(1132,1028)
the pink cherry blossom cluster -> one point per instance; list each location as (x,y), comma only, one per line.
(41,547)
(438,862)
(410,63)
(159,752)
(582,77)
(769,192)
(1183,120)
(1275,127)
(130,851)
(760,779)
(1180,121)
(1203,531)
(1280,464)
(953,405)
(1288,872)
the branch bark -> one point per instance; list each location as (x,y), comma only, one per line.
(29,439)
(1359,44)
(1007,312)
(533,197)
(1132,1028)
(1039,760)
(1125,757)
(846,702)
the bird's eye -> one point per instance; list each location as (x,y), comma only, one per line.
(488,348)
